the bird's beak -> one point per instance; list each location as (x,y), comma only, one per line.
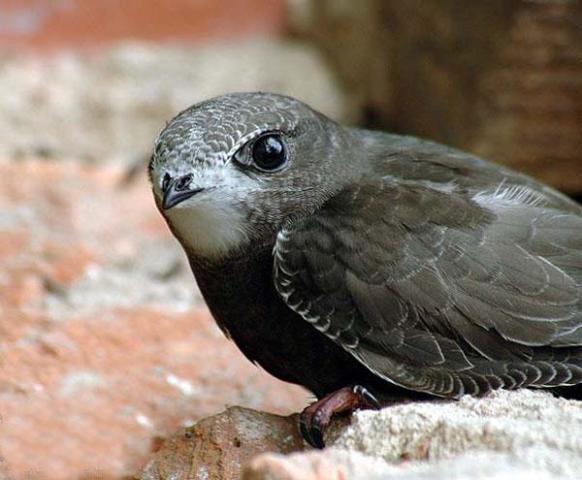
(173,197)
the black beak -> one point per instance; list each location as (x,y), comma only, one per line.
(175,194)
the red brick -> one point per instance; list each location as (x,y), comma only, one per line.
(90,23)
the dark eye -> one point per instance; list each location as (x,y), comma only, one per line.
(269,152)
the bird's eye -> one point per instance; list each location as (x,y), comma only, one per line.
(269,152)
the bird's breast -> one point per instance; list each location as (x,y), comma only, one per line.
(242,298)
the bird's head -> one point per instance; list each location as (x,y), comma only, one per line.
(229,171)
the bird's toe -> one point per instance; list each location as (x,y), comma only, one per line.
(315,419)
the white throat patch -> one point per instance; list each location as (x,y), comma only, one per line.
(211,226)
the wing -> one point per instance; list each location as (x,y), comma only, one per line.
(442,292)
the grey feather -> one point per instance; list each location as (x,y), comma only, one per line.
(444,292)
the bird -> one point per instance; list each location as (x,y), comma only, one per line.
(367,266)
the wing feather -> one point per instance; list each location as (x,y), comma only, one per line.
(441,291)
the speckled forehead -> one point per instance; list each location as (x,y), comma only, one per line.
(209,133)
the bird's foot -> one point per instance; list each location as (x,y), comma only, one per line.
(314,419)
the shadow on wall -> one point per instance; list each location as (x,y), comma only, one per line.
(501,79)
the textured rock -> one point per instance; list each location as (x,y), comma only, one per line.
(338,464)
(332,464)
(217,447)
(104,344)
(510,422)
(111,106)
(502,79)
(505,436)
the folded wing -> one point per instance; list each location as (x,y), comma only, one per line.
(442,292)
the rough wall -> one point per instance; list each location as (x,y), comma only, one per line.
(499,78)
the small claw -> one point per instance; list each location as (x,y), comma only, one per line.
(306,429)
(316,436)
(367,397)
(311,427)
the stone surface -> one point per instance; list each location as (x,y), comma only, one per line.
(505,436)
(217,447)
(110,107)
(502,79)
(104,344)
(339,464)
(332,464)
